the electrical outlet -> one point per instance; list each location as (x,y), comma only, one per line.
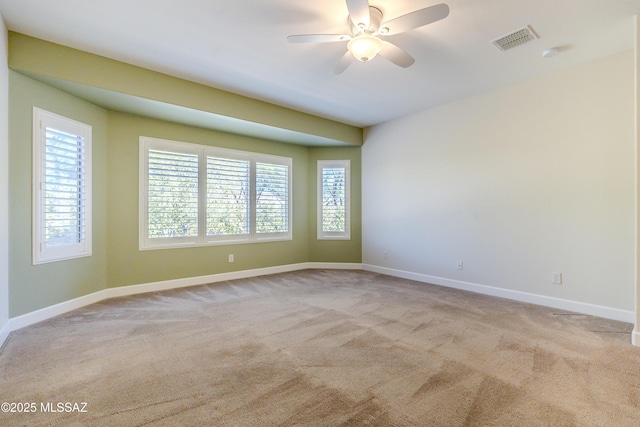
(460,265)
(231,259)
(556,278)
(385,255)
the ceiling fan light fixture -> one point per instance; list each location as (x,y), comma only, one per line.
(364,47)
(366,23)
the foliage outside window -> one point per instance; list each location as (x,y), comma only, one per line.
(333,199)
(199,195)
(61,188)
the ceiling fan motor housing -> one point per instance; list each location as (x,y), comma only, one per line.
(375,19)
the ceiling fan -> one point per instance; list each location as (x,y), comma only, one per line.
(368,31)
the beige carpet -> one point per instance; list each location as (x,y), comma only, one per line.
(321,348)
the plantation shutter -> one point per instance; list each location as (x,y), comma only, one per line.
(272,198)
(197,195)
(228,197)
(333,199)
(65,203)
(61,219)
(172,194)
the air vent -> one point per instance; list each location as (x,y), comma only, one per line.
(514,39)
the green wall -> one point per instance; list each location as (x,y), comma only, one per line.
(128,265)
(116,260)
(40,58)
(34,287)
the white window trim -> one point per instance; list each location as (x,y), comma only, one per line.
(145,243)
(145,145)
(40,252)
(326,235)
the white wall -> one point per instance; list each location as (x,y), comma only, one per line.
(4,183)
(517,183)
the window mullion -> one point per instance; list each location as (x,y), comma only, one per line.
(202,196)
(253,198)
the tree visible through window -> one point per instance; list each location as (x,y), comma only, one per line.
(199,195)
(227,196)
(62,188)
(173,194)
(272,198)
(333,199)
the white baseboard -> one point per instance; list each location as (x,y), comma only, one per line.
(562,304)
(221,277)
(334,266)
(4,333)
(27,319)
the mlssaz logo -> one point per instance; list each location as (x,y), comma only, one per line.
(63,407)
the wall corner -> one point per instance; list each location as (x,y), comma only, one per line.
(4,182)
(635,339)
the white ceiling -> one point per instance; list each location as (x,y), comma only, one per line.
(241,46)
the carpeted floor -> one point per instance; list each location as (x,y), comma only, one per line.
(321,348)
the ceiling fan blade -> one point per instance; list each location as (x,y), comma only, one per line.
(394,54)
(318,38)
(359,12)
(344,63)
(415,19)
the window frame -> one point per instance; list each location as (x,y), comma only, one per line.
(202,239)
(333,235)
(42,254)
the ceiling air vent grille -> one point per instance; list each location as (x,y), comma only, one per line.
(514,39)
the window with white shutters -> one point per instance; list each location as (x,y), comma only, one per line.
(272,198)
(61,188)
(228,197)
(198,195)
(173,194)
(333,199)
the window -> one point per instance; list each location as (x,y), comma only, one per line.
(228,198)
(333,199)
(172,194)
(272,198)
(195,195)
(61,188)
